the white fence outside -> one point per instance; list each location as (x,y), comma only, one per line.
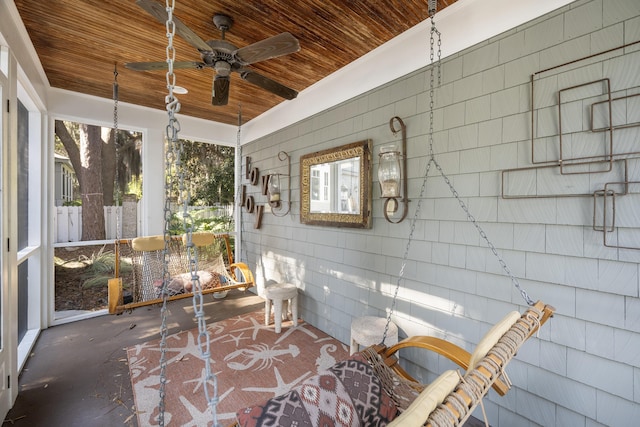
(67,222)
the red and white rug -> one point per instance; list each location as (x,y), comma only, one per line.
(251,362)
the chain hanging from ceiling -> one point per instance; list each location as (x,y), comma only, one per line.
(173,163)
(435,67)
(114,141)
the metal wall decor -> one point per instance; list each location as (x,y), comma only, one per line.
(581,151)
(248,201)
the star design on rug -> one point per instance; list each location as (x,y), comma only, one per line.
(203,418)
(199,381)
(189,349)
(236,339)
(256,327)
(281,387)
(242,318)
(137,365)
(300,328)
(216,328)
(140,347)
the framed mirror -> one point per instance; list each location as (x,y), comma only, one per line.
(335,186)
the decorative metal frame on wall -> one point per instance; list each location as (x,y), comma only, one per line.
(604,162)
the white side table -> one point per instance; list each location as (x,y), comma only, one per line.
(278,293)
(368,330)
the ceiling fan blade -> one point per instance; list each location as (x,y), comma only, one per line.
(268,84)
(220,90)
(155,66)
(282,44)
(160,13)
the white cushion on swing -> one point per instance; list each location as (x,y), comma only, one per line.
(491,338)
(435,393)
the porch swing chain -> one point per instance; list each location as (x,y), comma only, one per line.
(173,162)
(436,65)
(423,188)
(115,146)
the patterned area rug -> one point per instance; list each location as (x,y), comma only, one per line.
(252,364)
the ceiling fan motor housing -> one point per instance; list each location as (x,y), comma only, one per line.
(223,68)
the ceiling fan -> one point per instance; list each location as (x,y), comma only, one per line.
(223,56)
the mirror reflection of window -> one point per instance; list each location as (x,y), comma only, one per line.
(315,184)
(335,186)
(325,187)
(321,187)
(349,179)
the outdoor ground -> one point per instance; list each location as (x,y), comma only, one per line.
(81,274)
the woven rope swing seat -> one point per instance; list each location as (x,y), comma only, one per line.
(451,399)
(217,272)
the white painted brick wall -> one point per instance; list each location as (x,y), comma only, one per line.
(584,368)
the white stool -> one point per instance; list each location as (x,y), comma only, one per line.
(368,330)
(278,293)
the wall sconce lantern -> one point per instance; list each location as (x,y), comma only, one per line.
(275,190)
(392,174)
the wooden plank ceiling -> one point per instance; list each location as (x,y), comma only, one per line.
(80,41)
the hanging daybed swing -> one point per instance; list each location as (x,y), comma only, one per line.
(162,266)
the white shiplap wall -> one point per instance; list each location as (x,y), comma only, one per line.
(584,369)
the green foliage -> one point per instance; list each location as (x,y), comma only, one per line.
(209,171)
(135,186)
(102,268)
(200,222)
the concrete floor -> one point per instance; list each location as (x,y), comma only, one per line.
(77,374)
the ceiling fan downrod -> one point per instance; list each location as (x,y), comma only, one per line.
(223,23)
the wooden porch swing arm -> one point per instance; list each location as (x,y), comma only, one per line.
(444,348)
(247,275)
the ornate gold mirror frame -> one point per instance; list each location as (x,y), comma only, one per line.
(335,186)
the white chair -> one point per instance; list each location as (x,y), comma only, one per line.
(368,330)
(278,293)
